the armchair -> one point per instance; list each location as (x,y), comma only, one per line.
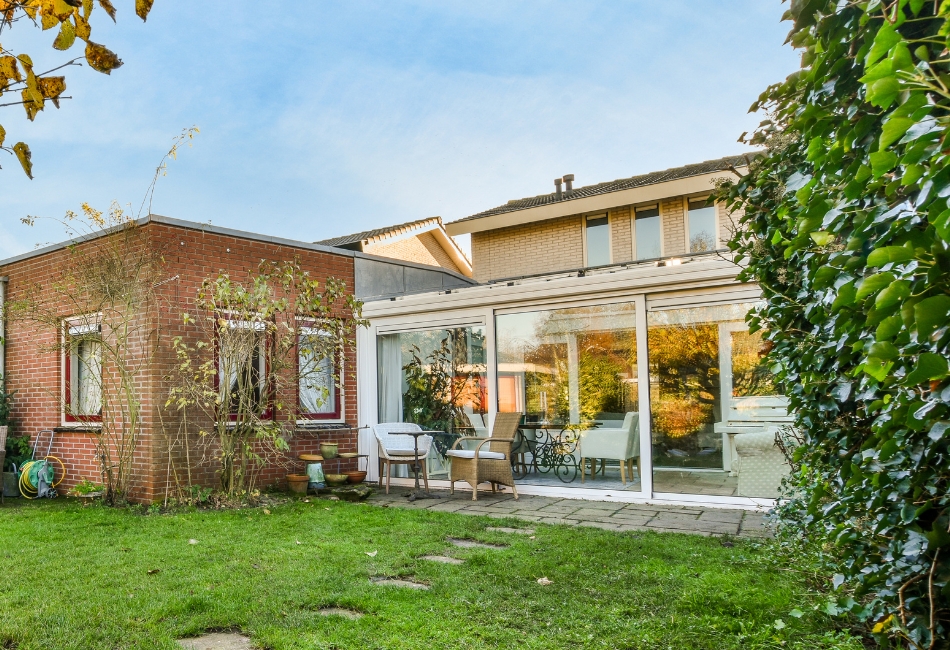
(396,449)
(493,464)
(621,444)
(762,465)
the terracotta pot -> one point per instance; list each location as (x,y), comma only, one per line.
(297,483)
(329,450)
(356,477)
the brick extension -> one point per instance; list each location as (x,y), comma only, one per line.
(34,368)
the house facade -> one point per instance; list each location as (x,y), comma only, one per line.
(605,313)
(57,372)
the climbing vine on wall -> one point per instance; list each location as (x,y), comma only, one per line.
(846,226)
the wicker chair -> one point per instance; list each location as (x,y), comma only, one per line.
(396,449)
(493,464)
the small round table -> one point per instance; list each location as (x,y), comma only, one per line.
(418,492)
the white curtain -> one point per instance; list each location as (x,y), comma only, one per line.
(88,377)
(317,385)
(390,378)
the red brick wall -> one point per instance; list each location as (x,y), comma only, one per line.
(34,368)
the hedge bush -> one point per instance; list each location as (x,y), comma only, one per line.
(846,225)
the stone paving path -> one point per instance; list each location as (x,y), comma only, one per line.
(597,514)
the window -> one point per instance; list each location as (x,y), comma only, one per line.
(242,371)
(598,241)
(647,233)
(317,391)
(83,372)
(702,225)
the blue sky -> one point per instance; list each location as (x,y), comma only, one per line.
(320,119)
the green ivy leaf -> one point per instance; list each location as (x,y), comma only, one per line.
(873,284)
(882,162)
(897,291)
(886,38)
(894,130)
(931,313)
(888,254)
(930,366)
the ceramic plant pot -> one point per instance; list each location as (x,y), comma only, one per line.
(297,483)
(329,450)
(356,477)
(336,479)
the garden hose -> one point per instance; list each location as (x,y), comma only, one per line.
(27,488)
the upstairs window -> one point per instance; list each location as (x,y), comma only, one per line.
(318,392)
(83,366)
(598,241)
(242,372)
(646,232)
(702,225)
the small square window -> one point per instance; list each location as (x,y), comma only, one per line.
(83,369)
(702,225)
(318,393)
(598,241)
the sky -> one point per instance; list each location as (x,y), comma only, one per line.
(322,119)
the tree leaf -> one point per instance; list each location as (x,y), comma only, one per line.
(931,313)
(101,58)
(882,162)
(23,154)
(83,30)
(894,129)
(821,237)
(886,38)
(66,37)
(52,88)
(3,134)
(142,7)
(109,9)
(897,291)
(30,105)
(9,69)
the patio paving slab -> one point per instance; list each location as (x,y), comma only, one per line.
(614,515)
(217,641)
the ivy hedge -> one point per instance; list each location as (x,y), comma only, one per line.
(845,227)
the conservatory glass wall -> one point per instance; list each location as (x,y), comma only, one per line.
(437,379)
(573,373)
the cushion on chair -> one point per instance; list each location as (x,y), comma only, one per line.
(470,453)
(407,452)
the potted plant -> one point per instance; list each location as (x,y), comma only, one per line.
(87,489)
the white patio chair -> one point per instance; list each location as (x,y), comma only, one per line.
(396,449)
(621,444)
(762,465)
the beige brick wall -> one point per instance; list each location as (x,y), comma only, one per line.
(621,238)
(422,249)
(541,247)
(673,222)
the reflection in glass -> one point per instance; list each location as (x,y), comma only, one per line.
(436,379)
(575,365)
(702,226)
(698,357)
(647,233)
(598,241)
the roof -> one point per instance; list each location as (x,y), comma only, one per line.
(652,178)
(380,232)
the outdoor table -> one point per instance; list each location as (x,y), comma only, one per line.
(418,492)
(552,449)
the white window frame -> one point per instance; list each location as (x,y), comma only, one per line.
(339,395)
(633,229)
(610,236)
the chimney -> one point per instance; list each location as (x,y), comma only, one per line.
(568,182)
(557,192)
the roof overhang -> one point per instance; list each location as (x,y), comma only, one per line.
(655,192)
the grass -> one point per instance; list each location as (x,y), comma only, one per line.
(85,578)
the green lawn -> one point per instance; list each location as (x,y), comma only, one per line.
(79,577)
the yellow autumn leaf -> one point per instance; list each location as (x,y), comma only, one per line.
(30,105)
(23,155)
(49,19)
(107,5)
(86,8)
(9,69)
(26,61)
(66,37)
(62,9)
(52,88)
(101,58)
(3,134)
(83,30)
(142,7)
